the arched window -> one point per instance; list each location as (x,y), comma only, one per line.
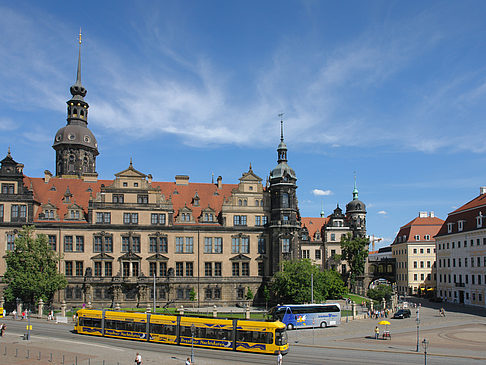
(75,112)
(245,203)
(240,203)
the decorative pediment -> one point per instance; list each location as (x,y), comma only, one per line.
(130,173)
(250,176)
(102,257)
(157,257)
(130,256)
(240,257)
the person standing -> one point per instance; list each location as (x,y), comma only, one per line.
(377,332)
(279,358)
(138,359)
(188,361)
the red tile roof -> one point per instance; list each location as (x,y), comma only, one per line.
(313,224)
(421,227)
(53,192)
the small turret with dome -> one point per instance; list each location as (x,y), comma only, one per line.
(356,212)
(75,145)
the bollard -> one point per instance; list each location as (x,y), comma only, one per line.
(215,311)
(50,360)
(76,360)
(62,360)
(16,352)
(28,354)
(39,356)
(89,360)
(103,362)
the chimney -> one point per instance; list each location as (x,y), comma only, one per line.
(47,176)
(220,182)
(182,180)
(149,176)
(422,214)
(431,214)
(482,190)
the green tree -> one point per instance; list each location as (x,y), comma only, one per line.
(293,283)
(192,295)
(354,251)
(381,291)
(32,270)
(335,284)
(249,294)
(266,295)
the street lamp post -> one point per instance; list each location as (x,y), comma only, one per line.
(193,332)
(425,343)
(418,328)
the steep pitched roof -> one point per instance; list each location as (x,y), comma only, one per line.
(313,224)
(419,226)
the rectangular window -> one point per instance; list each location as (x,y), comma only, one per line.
(239,220)
(126,269)
(179,269)
(108,268)
(118,199)
(318,254)
(236,269)
(68,268)
(189,245)
(8,188)
(218,245)
(415,264)
(217,269)
(189,269)
(153,244)
(261,245)
(417,237)
(305,254)
(136,244)
(163,268)
(264,220)
(422,276)
(414,250)
(415,277)
(1,212)
(125,244)
(97,268)
(53,241)
(142,199)
(208,245)
(10,241)
(285,245)
(333,237)
(208,269)
(179,245)
(428,250)
(258,220)
(80,243)
(240,245)
(79,268)
(245,269)
(261,269)
(68,243)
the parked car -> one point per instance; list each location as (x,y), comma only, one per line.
(402,313)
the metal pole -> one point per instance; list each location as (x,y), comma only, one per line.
(154,292)
(418,329)
(28,325)
(312,287)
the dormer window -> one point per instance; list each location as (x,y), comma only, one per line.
(450,227)
(208,217)
(125,184)
(142,199)
(74,214)
(195,200)
(427,237)
(417,237)
(460,226)
(479,220)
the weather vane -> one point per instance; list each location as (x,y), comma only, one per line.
(281,115)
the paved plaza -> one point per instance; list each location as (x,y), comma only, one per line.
(460,335)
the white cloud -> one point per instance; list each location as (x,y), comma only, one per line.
(383,212)
(319,192)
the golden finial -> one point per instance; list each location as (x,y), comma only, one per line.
(79,35)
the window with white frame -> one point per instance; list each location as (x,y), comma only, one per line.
(460,225)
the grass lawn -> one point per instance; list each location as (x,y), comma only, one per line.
(357,298)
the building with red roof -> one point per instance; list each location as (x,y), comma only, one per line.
(117,238)
(414,251)
(461,254)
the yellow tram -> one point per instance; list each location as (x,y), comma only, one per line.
(226,334)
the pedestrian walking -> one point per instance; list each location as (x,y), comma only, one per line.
(138,359)
(377,332)
(2,330)
(188,361)
(279,358)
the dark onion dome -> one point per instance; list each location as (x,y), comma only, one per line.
(75,134)
(355,205)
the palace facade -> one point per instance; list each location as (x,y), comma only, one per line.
(124,241)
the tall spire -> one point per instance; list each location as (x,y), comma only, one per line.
(77,90)
(355,190)
(282,147)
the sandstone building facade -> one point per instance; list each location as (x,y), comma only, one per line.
(124,241)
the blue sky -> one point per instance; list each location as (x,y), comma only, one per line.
(394,90)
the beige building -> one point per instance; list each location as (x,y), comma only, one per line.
(414,252)
(119,239)
(461,254)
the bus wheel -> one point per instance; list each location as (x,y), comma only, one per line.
(323,324)
(290,326)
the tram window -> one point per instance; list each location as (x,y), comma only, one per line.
(90,322)
(280,337)
(139,327)
(162,329)
(255,337)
